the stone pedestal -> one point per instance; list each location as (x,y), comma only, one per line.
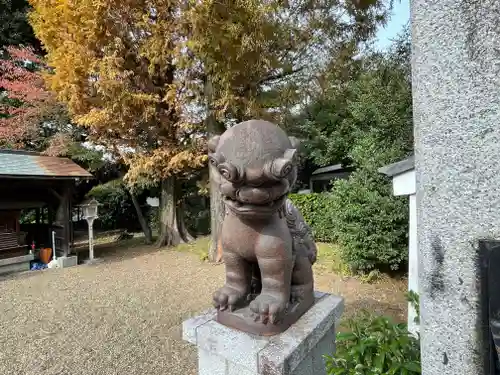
(297,351)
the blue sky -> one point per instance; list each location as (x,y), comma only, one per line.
(399,18)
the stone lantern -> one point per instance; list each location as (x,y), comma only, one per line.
(90,213)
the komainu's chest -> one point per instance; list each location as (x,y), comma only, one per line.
(247,238)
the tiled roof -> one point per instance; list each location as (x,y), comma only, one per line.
(330,168)
(32,164)
(399,167)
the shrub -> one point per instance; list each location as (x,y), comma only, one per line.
(414,299)
(316,210)
(375,345)
(371,224)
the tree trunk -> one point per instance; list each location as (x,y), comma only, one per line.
(142,220)
(146,228)
(172,228)
(186,236)
(217,209)
(183,230)
(217,213)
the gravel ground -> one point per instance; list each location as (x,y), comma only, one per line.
(124,316)
(119,317)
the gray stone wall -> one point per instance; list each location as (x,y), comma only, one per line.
(456,95)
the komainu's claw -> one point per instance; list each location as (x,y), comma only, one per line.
(228,298)
(268,308)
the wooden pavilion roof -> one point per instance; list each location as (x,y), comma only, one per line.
(24,164)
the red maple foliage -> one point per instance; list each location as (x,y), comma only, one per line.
(23,97)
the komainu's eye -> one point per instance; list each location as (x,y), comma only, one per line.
(229,172)
(212,159)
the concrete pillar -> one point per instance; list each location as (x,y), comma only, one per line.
(456,96)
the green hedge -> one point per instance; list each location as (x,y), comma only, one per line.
(371,223)
(362,216)
(315,208)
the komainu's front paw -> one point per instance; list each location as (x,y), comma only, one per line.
(228,298)
(268,308)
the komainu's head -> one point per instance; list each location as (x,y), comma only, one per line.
(257,165)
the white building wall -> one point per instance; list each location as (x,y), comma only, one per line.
(404,184)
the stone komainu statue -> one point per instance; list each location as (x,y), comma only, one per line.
(268,248)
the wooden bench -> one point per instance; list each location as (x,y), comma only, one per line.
(9,245)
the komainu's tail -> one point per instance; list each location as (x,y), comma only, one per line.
(301,232)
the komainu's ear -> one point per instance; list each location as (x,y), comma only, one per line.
(291,155)
(212,143)
(295,142)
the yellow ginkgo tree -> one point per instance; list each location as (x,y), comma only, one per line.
(122,69)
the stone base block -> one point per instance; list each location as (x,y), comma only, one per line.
(15,264)
(297,351)
(68,261)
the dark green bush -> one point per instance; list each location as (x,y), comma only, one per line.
(316,208)
(375,345)
(371,224)
(363,217)
(116,210)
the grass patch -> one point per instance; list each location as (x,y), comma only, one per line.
(199,247)
(329,259)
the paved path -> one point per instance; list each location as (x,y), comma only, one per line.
(120,317)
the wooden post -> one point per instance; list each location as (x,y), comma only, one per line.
(63,219)
(50,215)
(18,217)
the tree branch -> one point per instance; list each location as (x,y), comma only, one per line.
(275,77)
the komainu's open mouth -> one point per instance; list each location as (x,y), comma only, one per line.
(254,209)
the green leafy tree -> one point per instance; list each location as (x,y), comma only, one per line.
(372,224)
(366,122)
(15,29)
(361,95)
